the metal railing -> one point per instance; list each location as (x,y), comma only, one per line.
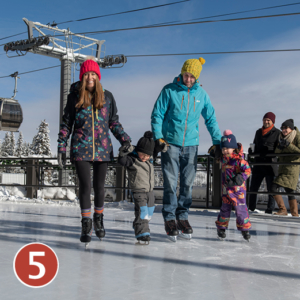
(270,164)
(35,171)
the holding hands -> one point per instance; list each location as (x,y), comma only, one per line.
(126,148)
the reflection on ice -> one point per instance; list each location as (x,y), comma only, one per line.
(116,268)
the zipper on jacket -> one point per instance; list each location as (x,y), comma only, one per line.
(150,176)
(194,103)
(93,131)
(187,115)
(182,101)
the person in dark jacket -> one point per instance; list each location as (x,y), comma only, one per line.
(288,175)
(140,169)
(89,114)
(265,140)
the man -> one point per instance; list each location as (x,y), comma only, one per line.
(265,140)
(174,121)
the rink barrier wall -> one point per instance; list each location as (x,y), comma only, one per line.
(249,156)
(36,168)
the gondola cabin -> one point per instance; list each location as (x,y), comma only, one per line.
(11,115)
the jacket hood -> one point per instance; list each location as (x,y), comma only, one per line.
(179,81)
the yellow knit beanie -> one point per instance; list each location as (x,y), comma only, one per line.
(193,66)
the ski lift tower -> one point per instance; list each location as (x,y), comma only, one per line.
(70,49)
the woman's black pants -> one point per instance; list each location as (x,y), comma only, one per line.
(83,169)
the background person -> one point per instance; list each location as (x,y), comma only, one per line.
(265,140)
(174,120)
(89,114)
(288,175)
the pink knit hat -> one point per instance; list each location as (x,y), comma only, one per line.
(89,66)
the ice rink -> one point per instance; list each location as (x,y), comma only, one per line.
(116,268)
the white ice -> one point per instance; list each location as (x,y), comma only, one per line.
(116,268)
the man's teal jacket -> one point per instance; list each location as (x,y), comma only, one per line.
(176,113)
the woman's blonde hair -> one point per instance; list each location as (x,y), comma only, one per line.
(85,96)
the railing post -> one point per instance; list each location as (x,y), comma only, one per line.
(216,197)
(31,178)
(207,181)
(120,183)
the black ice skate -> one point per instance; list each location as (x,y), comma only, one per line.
(221,234)
(86,231)
(144,240)
(246,235)
(171,230)
(185,229)
(98,225)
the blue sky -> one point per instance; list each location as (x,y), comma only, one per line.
(242,87)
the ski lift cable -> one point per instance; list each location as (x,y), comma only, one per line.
(33,71)
(124,12)
(233,13)
(187,23)
(222,15)
(177,54)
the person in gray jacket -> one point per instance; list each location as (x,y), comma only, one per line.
(139,163)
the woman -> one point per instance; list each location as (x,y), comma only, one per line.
(288,175)
(92,111)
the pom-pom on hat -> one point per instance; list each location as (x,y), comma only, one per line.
(288,123)
(146,143)
(228,140)
(193,66)
(89,66)
(271,116)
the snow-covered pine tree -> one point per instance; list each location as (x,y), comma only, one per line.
(5,149)
(26,149)
(41,141)
(20,149)
(12,144)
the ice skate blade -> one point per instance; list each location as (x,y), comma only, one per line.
(186,236)
(86,245)
(141,243)
(172,238)
(220,238)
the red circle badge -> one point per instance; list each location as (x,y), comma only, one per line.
(36,265)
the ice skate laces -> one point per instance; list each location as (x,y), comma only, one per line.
(185,224)
(86,225)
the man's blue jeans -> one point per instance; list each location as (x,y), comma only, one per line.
(183,160)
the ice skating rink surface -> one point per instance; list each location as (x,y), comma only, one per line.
(116,268)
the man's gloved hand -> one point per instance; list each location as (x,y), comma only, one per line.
(215,151)
(161,145)
(61,159)
(283,144)
(237,180)
(126,148)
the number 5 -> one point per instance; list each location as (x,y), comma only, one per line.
(39,265)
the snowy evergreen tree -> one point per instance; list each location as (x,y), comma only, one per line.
(5,149)
(20,149)
(26,149)
(41,142)
(12,144)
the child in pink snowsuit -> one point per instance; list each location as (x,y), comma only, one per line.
(235,172)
